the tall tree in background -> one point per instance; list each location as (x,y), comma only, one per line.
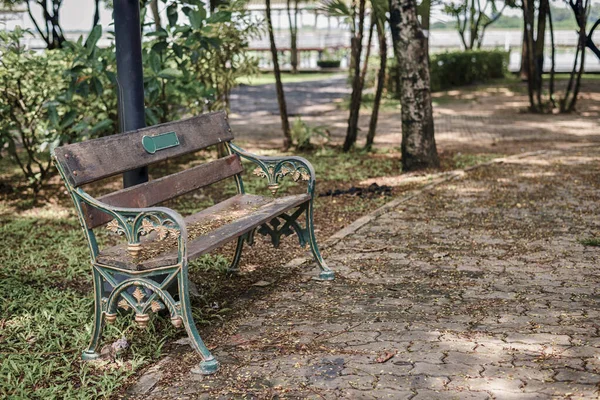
(293,22)
(472,19)
(358,26)
(581,10)
(379,11)
(418,141)
(155,14)
(96,13)
(50,30)
(285,124)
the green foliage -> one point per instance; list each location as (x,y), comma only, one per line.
(33,115)
(46,308)
(55,97)
(302,134)
(93,86)
(594,242)
(459,68)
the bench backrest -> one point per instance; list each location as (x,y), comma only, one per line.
(96,159)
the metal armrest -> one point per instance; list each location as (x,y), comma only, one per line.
(276,168)
(136,222)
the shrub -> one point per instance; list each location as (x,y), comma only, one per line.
(32,118)
(460,68)
(302,134)
(457,68)
(50,98)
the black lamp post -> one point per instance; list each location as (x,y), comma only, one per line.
(130,76)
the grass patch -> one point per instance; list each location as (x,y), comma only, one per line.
(268,78)
(595,242)
(462,161)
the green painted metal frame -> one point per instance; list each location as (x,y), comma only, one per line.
(151,286)
(275,169)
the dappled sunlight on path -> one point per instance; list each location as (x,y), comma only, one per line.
(476,288)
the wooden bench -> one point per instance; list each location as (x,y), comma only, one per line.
(150,271)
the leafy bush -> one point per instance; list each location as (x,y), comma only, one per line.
(302,133)
(459,68)
(31,115)
(55,97)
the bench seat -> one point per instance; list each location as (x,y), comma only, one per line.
(207,230)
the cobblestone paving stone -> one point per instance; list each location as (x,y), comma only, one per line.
(477,288)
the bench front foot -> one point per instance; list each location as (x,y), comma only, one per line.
(207,367)
(209,364)
(91,353)
(233,268)
(326,273)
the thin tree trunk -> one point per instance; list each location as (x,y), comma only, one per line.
(425,14)
(355,98)
(581,46)
(553,58)
(380,85)
(155,14)
(418,140)
(293,35)
(539,49)
(285,124)
(528,16)
(365,68)
(96,13)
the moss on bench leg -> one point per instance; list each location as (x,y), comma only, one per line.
(326,273)
(91,353)
(209,364)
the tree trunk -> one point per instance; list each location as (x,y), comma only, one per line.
(285,125)
(355,98)
(425,14)
(380,85)
(530,59)
(553,59)
(418,141)
(155,14)
(523,71)
(539,47)
(96,13)
(293,35)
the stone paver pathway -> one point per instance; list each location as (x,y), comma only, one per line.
(477,288)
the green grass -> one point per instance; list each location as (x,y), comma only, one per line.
(595,242)
(267,78)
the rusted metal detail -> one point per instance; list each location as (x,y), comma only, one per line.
(142,320)
(110,318)
(177,322)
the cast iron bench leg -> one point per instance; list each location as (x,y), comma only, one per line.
(209,364)
(91,353)
(326,273)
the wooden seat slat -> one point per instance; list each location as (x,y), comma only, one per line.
(166,188)
(92,160)
(228,220)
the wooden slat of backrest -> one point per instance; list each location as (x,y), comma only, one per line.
(96,159)
(166,188)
